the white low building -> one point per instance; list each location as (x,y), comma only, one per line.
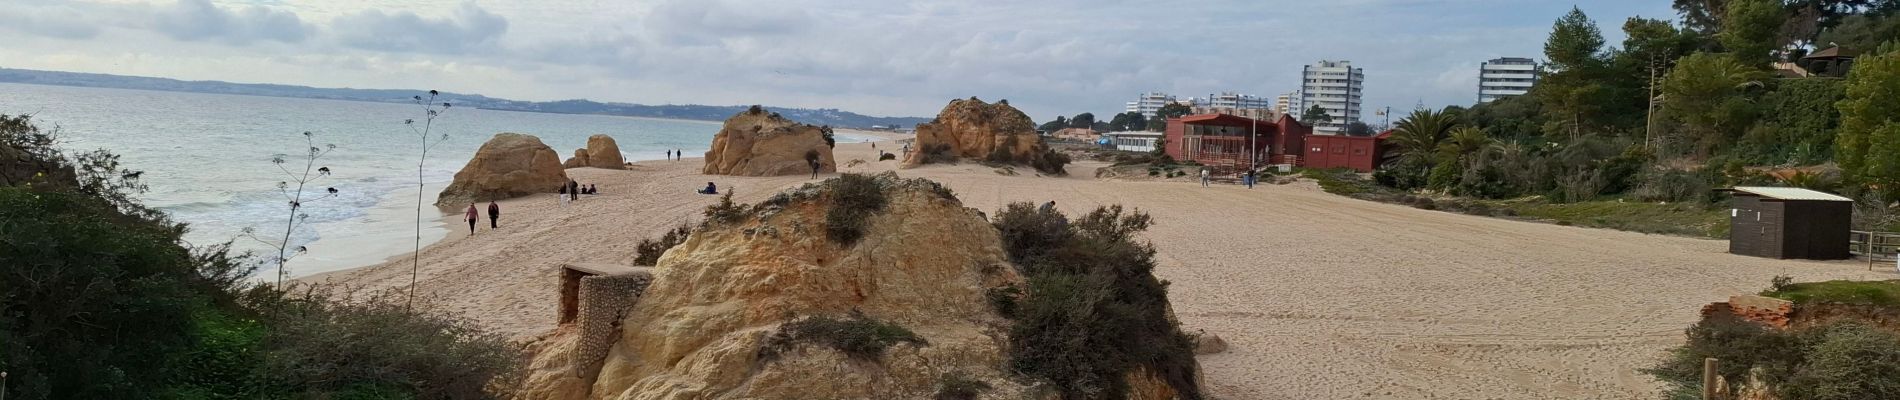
(1143,141)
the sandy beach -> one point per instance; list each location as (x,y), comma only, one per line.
(1320,296)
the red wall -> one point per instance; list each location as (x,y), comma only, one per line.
(1356,152)
(1176,129)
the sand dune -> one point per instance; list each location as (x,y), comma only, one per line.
(1320,296)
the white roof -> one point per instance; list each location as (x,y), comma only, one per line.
(1788,193)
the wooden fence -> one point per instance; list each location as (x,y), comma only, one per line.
(1874,246)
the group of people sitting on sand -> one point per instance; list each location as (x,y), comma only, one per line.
(572,191)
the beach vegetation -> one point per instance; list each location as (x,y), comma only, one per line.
(724,212)
(955,386)
(1092,310)
(1881,293)
(648,251)
(425,139)
(297,180)
(1834,361)
(854,199)
(104,299)
(856,335)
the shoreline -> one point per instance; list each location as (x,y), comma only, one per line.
(384,234)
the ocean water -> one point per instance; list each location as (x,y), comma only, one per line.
(207,157)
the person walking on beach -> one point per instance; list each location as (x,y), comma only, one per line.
(1204,177)
(814,163)
(573,190)
(471,216)
(1249,177)
(669,154)
(494,213)
(561,195)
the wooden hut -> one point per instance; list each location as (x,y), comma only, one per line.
(1784,223)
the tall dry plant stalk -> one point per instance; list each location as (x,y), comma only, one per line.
(295,197)
(430,110)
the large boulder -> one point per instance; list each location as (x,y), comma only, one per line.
(973,129)
(718,320)
(601,152)
(760,143)
(508,165)
(577,161)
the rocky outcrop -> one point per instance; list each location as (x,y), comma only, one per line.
(508,165)
(924,264)
(759,143)
(601,152)
(972,129)
(579,159)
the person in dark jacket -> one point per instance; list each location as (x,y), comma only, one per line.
(494,213)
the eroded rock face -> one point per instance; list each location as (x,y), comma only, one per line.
(924,263)
(601,152)
(972,129)
(508,165)
(759,143)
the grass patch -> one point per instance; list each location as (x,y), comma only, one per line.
(854,199)
(1637,216)
(856,335)
(1885,293)
(648,251)
(1344,182)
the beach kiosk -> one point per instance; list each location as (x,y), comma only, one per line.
(1785,223)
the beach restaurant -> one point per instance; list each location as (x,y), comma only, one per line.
(1230,143)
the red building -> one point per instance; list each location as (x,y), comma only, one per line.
(1228,142)
(1361,153)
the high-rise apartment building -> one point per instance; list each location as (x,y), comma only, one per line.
(1236,100)
(1336,87)
(1288,103)
(1505,77)
(1149,104)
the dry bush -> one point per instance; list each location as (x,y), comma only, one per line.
(648,252)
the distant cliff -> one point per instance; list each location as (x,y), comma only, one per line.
(823,116)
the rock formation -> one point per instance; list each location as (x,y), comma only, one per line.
(577,161)
(718,301)
(508,165)
(601,152)
(973,129)
(759,143)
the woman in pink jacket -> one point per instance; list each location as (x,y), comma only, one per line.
(471,216)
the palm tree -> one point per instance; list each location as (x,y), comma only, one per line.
(1417,136)
(1463,141)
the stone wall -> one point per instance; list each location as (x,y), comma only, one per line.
(604,300)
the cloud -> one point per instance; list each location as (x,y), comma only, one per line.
(890,57)
(471,28)
(195,20)
(59,21)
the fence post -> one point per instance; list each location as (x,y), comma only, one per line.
(1708,378)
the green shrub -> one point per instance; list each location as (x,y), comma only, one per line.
(322,342)
(1444,175)
(856,335)
(1739,344)
(1673,185)
(958,387)
(854,199)
(648,252)
(1004,300)
(726,212)
(1402,175)
(1850,361)
(1093,310)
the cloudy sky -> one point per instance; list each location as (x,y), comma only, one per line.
(879,57)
